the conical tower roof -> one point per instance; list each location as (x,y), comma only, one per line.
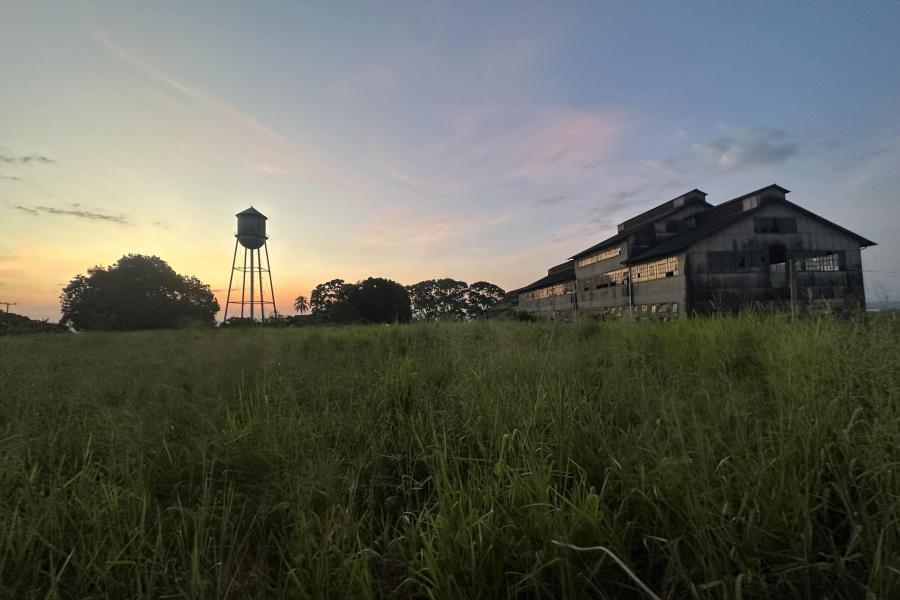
(251,211)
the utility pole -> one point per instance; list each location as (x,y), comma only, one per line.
(790,268)
(8,304)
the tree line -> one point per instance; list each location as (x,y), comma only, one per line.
(378,300)
(144,292)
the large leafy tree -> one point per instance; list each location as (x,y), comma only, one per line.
(379,300)
(330,300)
(438,299)
(372,300)
(481,297)
(138,292)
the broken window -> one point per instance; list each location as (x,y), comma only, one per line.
(609,253)
(655,269)
(826,262)
(549,292)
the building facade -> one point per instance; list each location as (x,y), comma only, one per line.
(687,256)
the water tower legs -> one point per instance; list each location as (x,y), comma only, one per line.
(254,295)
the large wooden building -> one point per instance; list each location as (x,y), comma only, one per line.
(687,256)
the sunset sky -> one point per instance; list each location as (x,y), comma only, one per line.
(479,141)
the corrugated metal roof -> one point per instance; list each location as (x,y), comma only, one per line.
(552,279)
(724,215)
(646,218)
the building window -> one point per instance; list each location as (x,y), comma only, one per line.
(775,225)
(605,254)
(559,289)
(612,278)
(812,261)
(655,269)
(827,262)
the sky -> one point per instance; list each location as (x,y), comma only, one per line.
(479,141)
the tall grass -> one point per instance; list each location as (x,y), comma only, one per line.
(720,458)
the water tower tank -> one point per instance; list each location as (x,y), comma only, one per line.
(251,228)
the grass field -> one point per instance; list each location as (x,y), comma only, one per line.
(721,458)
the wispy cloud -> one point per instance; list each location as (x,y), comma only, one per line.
(553,200)
(10,177)
(748,147)
(417,183)
(397,231)
(269,169)
(620,196)
(531,147)
(290,152)
(363,82)
(862,159)
(73,210)
(26,159)
(565,144)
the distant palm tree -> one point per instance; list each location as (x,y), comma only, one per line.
(301,304)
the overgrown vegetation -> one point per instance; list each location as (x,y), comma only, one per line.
(13,324)
(720,458)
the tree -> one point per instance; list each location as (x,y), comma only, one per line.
(481,297)
(138,292)
(301,304)
(379,300)
(438,299)
(372,300)
(329,301)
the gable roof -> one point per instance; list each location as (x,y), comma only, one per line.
(619,237)
(628,227)
(730,212)
(558,274)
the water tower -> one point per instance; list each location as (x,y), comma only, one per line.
(251,234)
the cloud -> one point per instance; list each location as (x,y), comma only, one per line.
(746,147)
(414,182)
(27,159)
(500,146)
(300,157)
(564,144)
(73,210)
(362,83)
(401,231)
(863,159)
(552,200)
(269,169)
(601,216)
(10,178)
(620,196)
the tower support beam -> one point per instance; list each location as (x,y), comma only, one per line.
(255,267)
